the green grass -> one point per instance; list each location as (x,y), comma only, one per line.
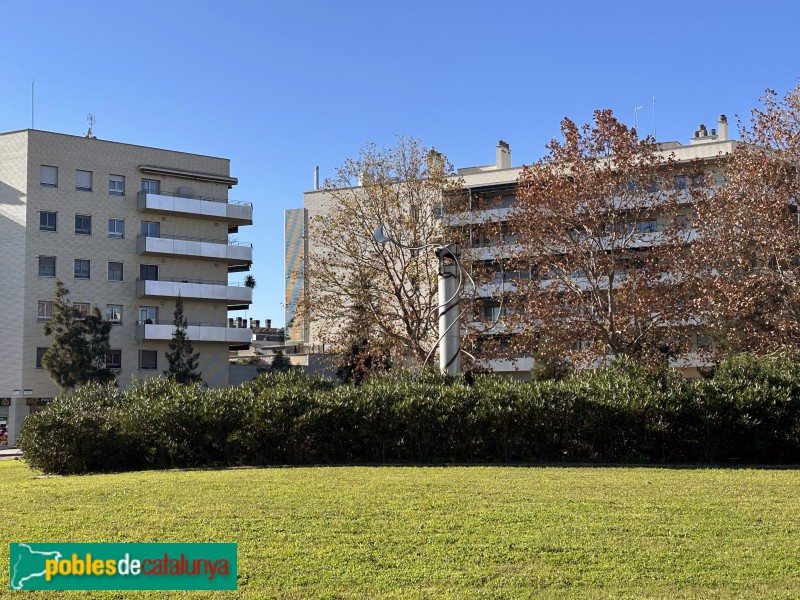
(454,532)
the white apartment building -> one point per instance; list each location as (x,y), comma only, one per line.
(127,229)
(491,190)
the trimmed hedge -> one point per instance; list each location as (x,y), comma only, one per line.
(748,412)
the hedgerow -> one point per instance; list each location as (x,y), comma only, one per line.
(749,411)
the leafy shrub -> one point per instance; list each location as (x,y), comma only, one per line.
(749,411)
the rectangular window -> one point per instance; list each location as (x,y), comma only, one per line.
(47,266)
(148,315)
(116,185)
(39,355)
(151,186)
(83,181)
(116,228)
(114,359)
(47,220)
(49,176)
(703,343)
(83,224)
(45,310)
(148,359)
(82,268)
(151,229)
(148,272)
(114,313)
(115,271)
(82,308)
(648,226)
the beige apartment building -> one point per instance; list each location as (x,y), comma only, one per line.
(127,229)
(491,191)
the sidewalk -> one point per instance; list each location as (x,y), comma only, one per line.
(10,453)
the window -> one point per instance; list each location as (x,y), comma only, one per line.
(115,271)
(493,311)
(45,310)
(39,355)
(114,359)
(49,176)
(116,228)
(47,266)
(148,359)
(83,224)
(82,308)
(47,220)
(647,226)
(83,181)
(116,185)
(151,229)
(151,186)
(148,314)
(683,221)
(703,343)
(680,182)
(82,268)
(148,272)
(114,313)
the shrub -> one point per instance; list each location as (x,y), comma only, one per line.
(749,411)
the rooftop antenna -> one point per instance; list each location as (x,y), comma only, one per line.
(90,119)
(636,110)
(32,89)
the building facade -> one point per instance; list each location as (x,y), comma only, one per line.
(490,192)
(127,229)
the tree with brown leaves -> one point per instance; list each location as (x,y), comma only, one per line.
(748,251)
(596,238)
(379,298)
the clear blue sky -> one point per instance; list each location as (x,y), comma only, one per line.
(279,87)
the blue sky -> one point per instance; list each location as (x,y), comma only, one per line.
(281,87)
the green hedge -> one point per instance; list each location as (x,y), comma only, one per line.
(748,412)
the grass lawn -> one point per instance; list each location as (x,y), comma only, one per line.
(419,532)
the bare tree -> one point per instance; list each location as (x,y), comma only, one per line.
(595,244)
(361,290)
(748,251)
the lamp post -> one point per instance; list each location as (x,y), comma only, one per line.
(450,282)
(449,308)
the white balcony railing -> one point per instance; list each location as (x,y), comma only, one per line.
(234,213)
(196,289)
(196,332)
(219,250)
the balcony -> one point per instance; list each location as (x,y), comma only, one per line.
(236,254)
(199,207)
(196,332)
(194,289)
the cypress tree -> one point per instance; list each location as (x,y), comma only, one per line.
(78,352)
(181,356)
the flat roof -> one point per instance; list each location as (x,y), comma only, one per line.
(96,139)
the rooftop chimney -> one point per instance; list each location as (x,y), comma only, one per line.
(503,156)
(316,178)
(722,128)
(703,136)
(435,162)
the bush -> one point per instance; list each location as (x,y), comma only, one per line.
(749,411)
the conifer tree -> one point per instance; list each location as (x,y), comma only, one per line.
(78,352)
(280,362)
(181,356)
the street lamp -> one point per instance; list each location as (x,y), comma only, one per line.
(450,275)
